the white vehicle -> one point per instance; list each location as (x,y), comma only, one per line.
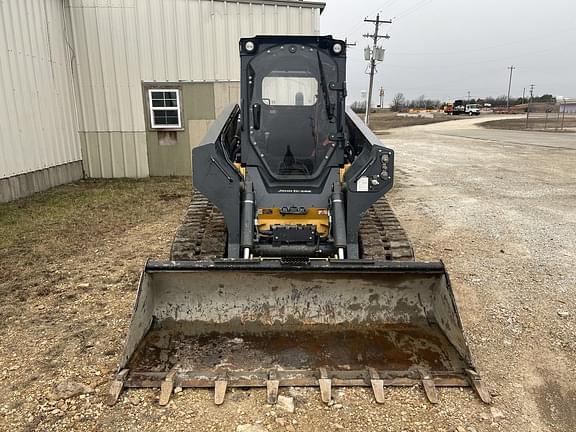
(472,109)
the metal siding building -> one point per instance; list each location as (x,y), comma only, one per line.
(126,47)
(75,77)
(567,105)
(39,144)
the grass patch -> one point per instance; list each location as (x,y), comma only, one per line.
(46,227)
(539,124)
(382,121)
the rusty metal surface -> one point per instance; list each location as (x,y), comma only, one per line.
(254,317)
(301,378)
(323,378)
(349,346)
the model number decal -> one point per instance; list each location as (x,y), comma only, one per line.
(294,190)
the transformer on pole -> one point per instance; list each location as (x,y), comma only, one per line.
(373,55)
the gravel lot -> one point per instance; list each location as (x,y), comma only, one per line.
(503,219)
(501,216)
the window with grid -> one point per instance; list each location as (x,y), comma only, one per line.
(164,108)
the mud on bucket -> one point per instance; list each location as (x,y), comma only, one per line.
(395,322)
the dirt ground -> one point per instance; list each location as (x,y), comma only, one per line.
(502,217)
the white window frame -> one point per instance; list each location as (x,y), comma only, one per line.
(153,125)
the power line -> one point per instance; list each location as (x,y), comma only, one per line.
(491,47)
(377,53)
(378,9)
(412,9)
(465,64)
(515,55)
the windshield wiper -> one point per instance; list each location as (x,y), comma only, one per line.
(324,87)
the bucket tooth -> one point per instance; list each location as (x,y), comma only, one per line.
(220,386)
(377,385)
(478,386)
(429,387)
(325,384)
(116,387)
(167,386)
(272,385)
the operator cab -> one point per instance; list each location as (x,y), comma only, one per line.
(294,115)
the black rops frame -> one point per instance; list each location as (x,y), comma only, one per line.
(336,91)
(219,180)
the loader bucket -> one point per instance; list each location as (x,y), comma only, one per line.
(262,323)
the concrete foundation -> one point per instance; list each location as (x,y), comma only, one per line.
(23,185)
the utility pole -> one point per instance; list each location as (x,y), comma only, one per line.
(529,101)
(468,97)
(509,87)
(523,95)
(373,57)
(563,114)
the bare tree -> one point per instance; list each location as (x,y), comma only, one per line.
(421,102)
(398,102)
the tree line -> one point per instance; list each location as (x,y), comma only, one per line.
(399,102)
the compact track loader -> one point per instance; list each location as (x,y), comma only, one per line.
(290,268)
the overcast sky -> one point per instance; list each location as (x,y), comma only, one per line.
(445,48)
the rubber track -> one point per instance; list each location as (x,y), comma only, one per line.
(381,235)
(202,234)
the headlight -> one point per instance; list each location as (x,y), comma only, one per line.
(337,48)
(249,46)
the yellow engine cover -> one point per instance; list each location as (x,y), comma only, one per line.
(268,217)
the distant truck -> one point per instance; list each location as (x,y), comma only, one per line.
(455,108)
(472,109)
